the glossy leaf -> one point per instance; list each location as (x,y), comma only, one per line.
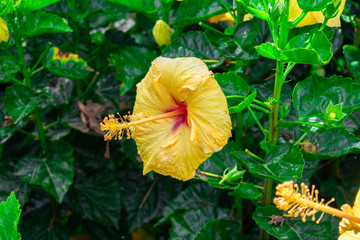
(333,143)
(45,23)
(312,96)
(66,64)
(33,5)
(291,228)
(54,173)
(193,44)
(192,11)
(9,183)
(138,5)
(8,65)
(352,57)
(282,163)
(246,191)
(97,198)
(9,218)
(197,195)
(187,225)
(307,48)
(38,228)
(19,102)
(131,64)
(232,84)
(220,229)
(311,5)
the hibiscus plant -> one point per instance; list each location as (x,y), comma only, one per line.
(222,119)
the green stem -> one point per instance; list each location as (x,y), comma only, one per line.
(298,19)
(239,129)
(51,124)
(240,13)
(259,108)
(324,24)
(216,61)
(288,68)
(91,83)
(201,24)
(300,139)
(255,100)
(210,174)
(28,83)
(257,121)
(40,58)
(247,151)
(224,4)
(11,78)
(37,70)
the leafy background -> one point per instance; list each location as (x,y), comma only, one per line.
(85,188)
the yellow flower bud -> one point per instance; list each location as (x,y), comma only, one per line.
(162,33)
(332,115)
(4,31)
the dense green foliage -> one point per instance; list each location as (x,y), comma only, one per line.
(293,95)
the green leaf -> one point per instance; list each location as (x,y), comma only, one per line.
(241,45)
(147,6)
(54,172)
(292,228)
(44,23)
(307,48)
(232,84)
(312,96)
(8,65)
(97,197)
(197,195)
(7,126)
(9,218)
(38,228)
(246,190)
(247,101)
(311,5)
(131,64)
(219,229)
(187,225)
(33,5)
(66,64)
(352,57)
(9,182)
(193,44)
(193,11)
(333,143)
(19,102)
(282,163)
(7,7)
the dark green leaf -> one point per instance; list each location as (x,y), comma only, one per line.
(9,218)
(45,23)
(58,95)
(97,197)
(138,5)
(313,95)
(352,57)
(193,44)
(291,228)
(311,5)
(282,163)
(54,173)
(19,102)
(66,64)
(247,101)
(232,84)
(187,225)
(333,143)
(9,182)
(32,5)
(131,64)
(220,229)
(38,228)
(246,190)
(8,65)
(307,48)
(197,195)
(193,11)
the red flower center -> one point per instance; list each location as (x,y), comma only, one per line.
(181,117)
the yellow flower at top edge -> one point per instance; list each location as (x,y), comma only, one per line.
(180,117)
(4,31)
(314,17)
(350,230)
(227,17)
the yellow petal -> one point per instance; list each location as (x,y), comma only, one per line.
(178,151)
(162,33)
(4,31)
(225,17)
(347,229)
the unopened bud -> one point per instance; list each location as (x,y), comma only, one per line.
(162,33)
(332,115)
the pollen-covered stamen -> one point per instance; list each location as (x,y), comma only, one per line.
(305,203)
(117,126)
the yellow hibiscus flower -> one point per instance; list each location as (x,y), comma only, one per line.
(350,230)
(315,17)
(179,119)
(4,31)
